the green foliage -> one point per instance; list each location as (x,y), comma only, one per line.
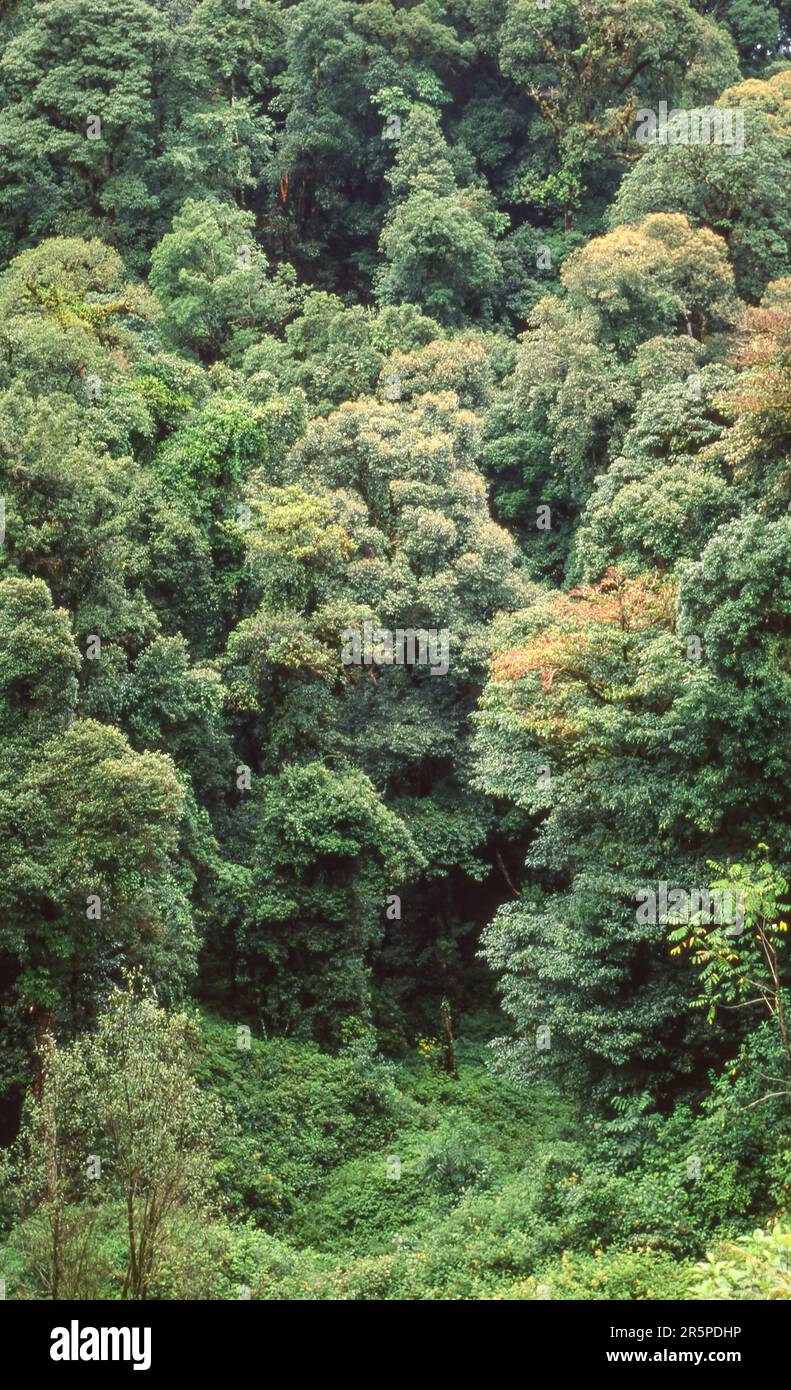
(394,649)
(323,852)
(126,1098)
(734,195)
(624,1275)
(438,242)
(757,1266)
(210,277)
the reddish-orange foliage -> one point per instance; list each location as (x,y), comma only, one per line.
(762,348)
(566,646)
(759,334)
(630,604)
(548,654)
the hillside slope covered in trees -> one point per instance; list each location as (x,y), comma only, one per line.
(395,649)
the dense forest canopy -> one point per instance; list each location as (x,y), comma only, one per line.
(395,659)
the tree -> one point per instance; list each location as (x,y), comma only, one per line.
(659,276)
(734,192)
(335,353)
(118,1116)
(669,488)
(66,304)
(89,834)
(377,516)
(38,661)
(210,277)
(740,965)
(770,95)
(85,91)
(323,852)
(352,74)
(640,307)
(756,444)
(578,727)
(438,241)
(585,67)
